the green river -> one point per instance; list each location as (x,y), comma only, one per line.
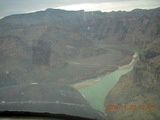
(97,89)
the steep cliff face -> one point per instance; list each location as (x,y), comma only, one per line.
(52,44)
(138,26)
(148,68)
(140,87)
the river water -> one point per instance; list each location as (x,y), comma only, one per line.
(96,90)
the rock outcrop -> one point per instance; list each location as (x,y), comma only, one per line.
(138,88)
(51,45)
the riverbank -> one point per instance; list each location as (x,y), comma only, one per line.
(86,83)
(134,58)
(96,90)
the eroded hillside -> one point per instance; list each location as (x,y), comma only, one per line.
(66,46)
(138,90)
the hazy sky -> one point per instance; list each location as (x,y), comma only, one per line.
(8,7)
